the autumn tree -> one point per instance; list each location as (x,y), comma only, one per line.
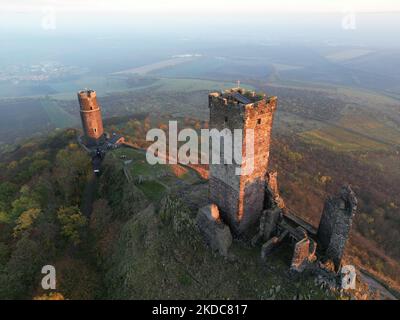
(72,222)
(26,220)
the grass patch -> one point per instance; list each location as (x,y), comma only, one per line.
(152,189)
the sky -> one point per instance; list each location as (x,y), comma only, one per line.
(200,7)
(206,18)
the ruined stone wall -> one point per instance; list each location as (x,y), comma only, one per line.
(335,225)
(92,122)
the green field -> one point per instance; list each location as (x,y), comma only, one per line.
(339,139)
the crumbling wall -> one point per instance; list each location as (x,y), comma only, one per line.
(335,225)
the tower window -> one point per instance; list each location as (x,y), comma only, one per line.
(226,119)
(94,129)
(259,121)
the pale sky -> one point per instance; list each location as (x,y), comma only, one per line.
(200,7)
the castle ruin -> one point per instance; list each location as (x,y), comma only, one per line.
(251,205)
(335,224)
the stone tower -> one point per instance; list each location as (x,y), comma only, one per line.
(92,122)
(240,198)
(335,224)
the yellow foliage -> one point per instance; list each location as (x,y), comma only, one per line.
(25,220)
(50,296)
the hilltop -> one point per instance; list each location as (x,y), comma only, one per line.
(139,241)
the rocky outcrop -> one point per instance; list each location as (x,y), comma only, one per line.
(216,234)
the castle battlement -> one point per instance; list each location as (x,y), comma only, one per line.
(241,98)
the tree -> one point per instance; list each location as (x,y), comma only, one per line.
(4,216)
(50,296)
(4,252)
(26,220)
(38,165)
(72,167)
(22,271)
(22,204)
(7,192)
(72,222)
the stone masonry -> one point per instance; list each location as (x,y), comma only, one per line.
(247,202)
(240,198)
(92,122)
(335,224)
(216,234)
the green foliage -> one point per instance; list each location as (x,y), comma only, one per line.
(22,271)
(168,207)
(133,201)
(7,191)
(4,217)
(71,170)
(39,165)
(125,198)
(72,222)
(76,280)
(4,255)
(152,189)
(173,211)
(101,217)
(26,220)
(24,203)
(43,174)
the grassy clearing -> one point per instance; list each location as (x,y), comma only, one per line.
(153,190)
(155,179)
(144,169)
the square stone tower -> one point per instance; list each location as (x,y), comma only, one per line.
(240,198)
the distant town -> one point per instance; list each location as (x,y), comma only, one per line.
(43,71)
